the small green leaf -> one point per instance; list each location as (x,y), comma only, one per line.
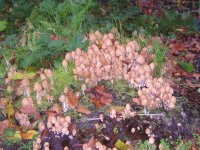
(188,67)
(121,145)
(3,25)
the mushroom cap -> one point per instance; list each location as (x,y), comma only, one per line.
(37,87)
(140,59)
(62,98)
(25,82)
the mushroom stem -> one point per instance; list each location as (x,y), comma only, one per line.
(64,106)
(145,110)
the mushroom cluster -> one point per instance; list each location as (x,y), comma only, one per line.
(59,125)
(106,59)
(157,93)
(128,112)
(22,118)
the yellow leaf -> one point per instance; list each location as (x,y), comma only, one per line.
(20,76)
(17,135)
(28,135)
(121,145)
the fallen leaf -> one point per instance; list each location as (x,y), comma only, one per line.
(99,88)
(106,101)
(3,124)
(17,135)
(121,145)
(96,101)
(83,110)
(188,67)
(20,76)
(73,100)
(28,135)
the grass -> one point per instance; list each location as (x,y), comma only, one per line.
(159,57)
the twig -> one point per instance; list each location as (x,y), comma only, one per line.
(161,114)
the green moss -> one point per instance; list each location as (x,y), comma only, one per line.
(121,87)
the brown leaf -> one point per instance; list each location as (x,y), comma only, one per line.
(73,100)
(105,100)
(56,108)
(99,88)
(3,125)
(96,101)
(83,110)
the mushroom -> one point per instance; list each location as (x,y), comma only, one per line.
(38,90)
(62,99)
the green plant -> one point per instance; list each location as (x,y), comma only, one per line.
(159,56)
(145,146)
(164,144)
(9,137)
(62,78)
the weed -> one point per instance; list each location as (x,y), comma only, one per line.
(159,56)
(62,78)
(145,145)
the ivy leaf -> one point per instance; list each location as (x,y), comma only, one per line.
(188,67)
(3,25)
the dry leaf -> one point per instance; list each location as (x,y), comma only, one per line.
(96,101)
(105,100)
(28,135)
(83,110)
(73,101)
